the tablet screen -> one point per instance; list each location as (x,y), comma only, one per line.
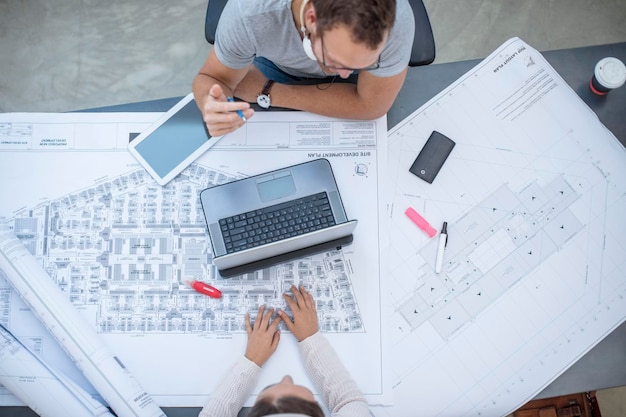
(175,140)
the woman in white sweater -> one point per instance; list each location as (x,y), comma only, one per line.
(331,379)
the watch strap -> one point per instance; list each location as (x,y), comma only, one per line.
(267,87)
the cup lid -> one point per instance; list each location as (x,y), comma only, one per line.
(610,72)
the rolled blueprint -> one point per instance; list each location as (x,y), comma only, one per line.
(46,391)
(101,367)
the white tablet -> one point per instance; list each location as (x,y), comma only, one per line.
(173,142)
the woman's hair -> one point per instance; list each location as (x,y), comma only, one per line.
(369,20)
(285,405)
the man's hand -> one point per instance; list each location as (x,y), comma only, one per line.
(263,337)
(220,115)
(251,85)
(304,322)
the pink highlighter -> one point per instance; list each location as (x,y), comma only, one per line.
(420,222)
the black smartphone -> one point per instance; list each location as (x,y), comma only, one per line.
(432,156)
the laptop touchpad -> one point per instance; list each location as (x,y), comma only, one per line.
(277,185)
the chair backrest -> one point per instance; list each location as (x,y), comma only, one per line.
(213,13)
(422,53)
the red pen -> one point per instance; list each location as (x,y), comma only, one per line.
(205,289)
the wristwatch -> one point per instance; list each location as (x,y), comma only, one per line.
(263,99)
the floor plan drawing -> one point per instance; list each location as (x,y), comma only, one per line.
(495,245)
(127,245)
(120,247)
(533,194)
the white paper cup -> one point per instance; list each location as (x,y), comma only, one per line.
(609,74)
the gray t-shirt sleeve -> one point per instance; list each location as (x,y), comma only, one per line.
(250,28)
(233,40)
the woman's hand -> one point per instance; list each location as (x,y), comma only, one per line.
(263,336)
(302,305)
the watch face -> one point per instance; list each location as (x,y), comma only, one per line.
(263,100)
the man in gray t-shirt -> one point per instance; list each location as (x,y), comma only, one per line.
(264,50)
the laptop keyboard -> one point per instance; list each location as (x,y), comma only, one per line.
(277,222)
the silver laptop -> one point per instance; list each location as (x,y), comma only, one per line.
(268,216)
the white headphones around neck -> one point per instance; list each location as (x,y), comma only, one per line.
(306,40)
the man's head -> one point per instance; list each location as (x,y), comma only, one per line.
(348,35)
(369,21)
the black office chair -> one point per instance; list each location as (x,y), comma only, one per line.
(423,52)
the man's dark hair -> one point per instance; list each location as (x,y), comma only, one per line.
(286,405)
(369,20)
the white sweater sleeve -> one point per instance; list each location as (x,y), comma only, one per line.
(237,385)
(331,379)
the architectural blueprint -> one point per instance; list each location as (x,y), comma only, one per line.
(55,395)
(534,194)
(119,246)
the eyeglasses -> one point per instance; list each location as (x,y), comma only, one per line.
(336,68)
